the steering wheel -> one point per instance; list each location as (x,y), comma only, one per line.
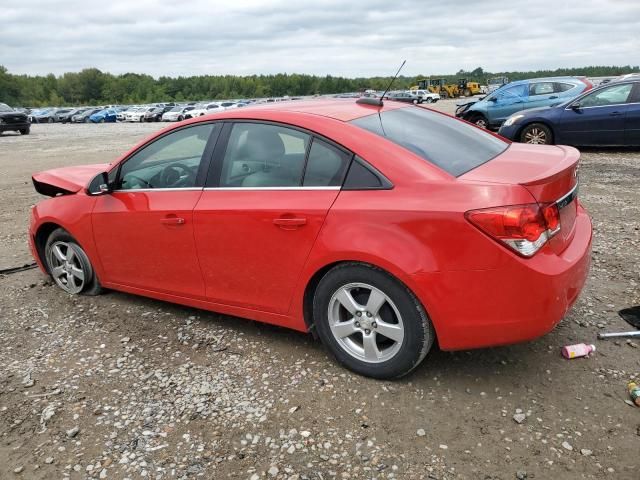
(141,181)
(176,175)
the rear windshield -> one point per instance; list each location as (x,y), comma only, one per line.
(454,146)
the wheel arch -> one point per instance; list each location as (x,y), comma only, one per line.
(313,282)
(40,240)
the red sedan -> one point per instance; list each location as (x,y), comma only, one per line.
(381,228)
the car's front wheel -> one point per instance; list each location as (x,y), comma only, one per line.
(371,322)
(537,134)
(479,120)
(24,131)
(69,265)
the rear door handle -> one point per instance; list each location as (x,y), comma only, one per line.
(553,97)
(290,223)
(615,114)
(172,221)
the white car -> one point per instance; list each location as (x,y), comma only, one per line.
(137,114)
(426,95)
(205,109)
(122,116)
(177,113)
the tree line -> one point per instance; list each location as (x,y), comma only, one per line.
(94,87)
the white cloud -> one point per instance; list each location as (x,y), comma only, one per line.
(356,38)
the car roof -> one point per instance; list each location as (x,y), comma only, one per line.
(344,109)
(545,79)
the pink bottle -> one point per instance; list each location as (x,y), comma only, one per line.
(578,350)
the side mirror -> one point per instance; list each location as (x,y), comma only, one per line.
(575,106)
(100,184)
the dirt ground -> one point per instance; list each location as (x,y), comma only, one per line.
(119,386)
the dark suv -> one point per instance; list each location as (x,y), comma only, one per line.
(10,120)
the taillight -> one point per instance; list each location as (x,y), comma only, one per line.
(523,228)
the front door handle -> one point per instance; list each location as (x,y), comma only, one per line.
(172,221)
(553,97)
(290,223)
(615,114)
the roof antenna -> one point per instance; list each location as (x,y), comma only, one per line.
(378,101)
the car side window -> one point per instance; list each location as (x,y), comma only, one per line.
(613,95)
(262,155)
(563,87)
(516,92)
(326,165)
(171,161)
(541,88)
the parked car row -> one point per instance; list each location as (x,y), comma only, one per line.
(562,110)
(132,113)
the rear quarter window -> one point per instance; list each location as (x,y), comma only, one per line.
(454,146)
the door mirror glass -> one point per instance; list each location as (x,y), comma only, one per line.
(575,106)
(100,184)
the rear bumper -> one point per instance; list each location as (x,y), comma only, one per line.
(522,300)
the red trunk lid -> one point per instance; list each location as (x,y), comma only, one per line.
(549,173)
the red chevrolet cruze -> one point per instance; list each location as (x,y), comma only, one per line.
(381,228)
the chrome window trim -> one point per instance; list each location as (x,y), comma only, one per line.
(602,106)
(189,189)
(272,188)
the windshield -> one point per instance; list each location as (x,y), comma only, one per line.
(5,108)
(454,146)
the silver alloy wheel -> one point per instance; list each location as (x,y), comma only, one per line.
(365,322)
(67,268)
(481,122)
(536,136)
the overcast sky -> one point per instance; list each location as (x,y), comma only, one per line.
(342,37)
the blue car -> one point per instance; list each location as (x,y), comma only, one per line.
(491,111)
(608,115)
(106,115)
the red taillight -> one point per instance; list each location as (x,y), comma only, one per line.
(524,228)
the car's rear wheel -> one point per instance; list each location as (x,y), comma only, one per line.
(180,118)
(537,134)
(49,120)
(69,265)
(479,120)
(25,131)
(101,120)
(370,321)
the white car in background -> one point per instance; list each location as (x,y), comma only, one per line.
(177,113)
(122,115)
(205,109)
(137,114)
(426,95)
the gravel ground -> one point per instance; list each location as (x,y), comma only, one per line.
(118,386)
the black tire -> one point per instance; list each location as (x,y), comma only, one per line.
(24,131)
(90,285)
(479,120)
(49,120)
(418,336)
(536,134)
(429,100)
(86,120)
(101,120)
(415,101)
(180,118)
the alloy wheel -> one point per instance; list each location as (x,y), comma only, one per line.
(536,136)
(365,322)
(67,268)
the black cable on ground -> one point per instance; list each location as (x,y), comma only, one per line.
(26,266)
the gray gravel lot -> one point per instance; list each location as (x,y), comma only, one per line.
(119,386)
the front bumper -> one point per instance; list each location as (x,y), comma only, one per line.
(510,132)
(14,127)
(521,300)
